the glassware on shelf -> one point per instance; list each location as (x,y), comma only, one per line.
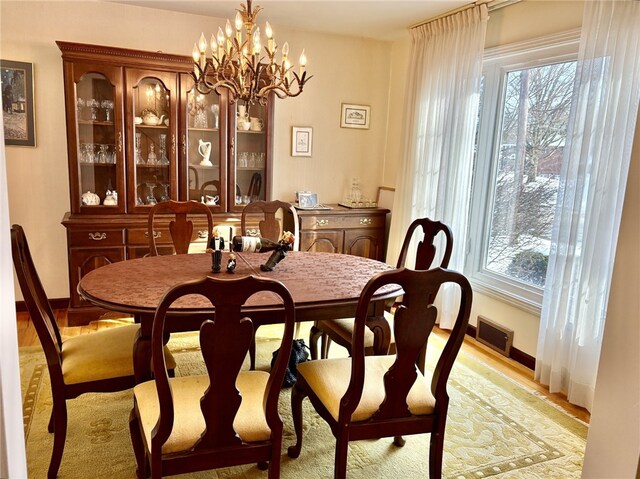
(216,115)
(165,195)
(200,120)
(163,160)
(152,159)
(151,199)
(80,105)
(103,154)
(138,151)
(107,106)
(94,105)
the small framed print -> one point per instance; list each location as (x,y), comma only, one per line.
(355,116)
(17,103)
(301,141)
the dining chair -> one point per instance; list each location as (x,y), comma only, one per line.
(228,416)
(97,362)
(341,330)
(369,397)
(181,228)
(271,217)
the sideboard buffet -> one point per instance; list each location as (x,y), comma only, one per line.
(139,133)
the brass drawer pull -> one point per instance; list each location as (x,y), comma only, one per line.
(322,222)
(365,221)
(156,234)
(97,236)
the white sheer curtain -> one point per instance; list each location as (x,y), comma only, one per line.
(441,111)
(593,182)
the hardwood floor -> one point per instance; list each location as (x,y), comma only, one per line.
(27,337)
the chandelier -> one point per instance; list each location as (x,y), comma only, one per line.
(235,62)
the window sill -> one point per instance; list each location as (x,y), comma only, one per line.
(511,299)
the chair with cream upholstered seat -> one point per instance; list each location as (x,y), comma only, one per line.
(101,361)
(340,330)
(271,217)
(228,416)
(367,397)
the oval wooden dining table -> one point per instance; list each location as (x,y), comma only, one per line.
(323,286)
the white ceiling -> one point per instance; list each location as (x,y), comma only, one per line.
(379,19)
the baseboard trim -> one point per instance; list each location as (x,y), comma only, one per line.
(56,303)
(515,354)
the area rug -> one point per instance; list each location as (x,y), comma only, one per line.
(495,429)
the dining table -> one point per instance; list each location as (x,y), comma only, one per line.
(323,286)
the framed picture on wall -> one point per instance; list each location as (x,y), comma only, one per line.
(301,140)
(355,116)
(17,103)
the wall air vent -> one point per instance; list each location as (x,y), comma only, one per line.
(494,335)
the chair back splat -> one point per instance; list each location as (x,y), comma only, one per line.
(228,417)
(181,228)
(367,397)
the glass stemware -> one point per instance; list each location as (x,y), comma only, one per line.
(151,199)
(165,195)
(138,151)
(163,160)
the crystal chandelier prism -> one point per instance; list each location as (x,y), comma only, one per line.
(233,60)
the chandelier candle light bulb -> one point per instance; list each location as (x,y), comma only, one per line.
(236,64)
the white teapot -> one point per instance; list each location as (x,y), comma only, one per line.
(150,118)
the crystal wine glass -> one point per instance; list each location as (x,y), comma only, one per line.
(165,195)
(151,199)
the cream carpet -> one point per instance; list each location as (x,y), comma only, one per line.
(495,429)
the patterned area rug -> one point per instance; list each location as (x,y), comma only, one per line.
(495,429)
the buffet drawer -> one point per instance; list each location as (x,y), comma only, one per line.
(96,237)
(342,221)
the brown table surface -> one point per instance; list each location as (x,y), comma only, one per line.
(323,286)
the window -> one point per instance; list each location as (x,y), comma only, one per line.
(522,129)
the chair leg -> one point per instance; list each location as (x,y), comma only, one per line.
(399,441)
(297,396)
(326,343)
(342,449)
(138,446)
(314,335)
(59,420)
(436,449)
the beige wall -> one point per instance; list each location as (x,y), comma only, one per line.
(613,444)
(345,70)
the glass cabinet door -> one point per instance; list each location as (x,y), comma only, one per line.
(203,147)
(153,142)
(250,161)
(99,142)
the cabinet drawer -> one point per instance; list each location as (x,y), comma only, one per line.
(342,222)
(140,236)
(97,237)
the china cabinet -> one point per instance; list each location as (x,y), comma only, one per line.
(139,133)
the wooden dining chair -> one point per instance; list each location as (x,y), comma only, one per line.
(367,397)
(341,330)
(271,218)
(228,416)
(97,362)
(181,228)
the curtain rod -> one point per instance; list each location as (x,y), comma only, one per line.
(491,6)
